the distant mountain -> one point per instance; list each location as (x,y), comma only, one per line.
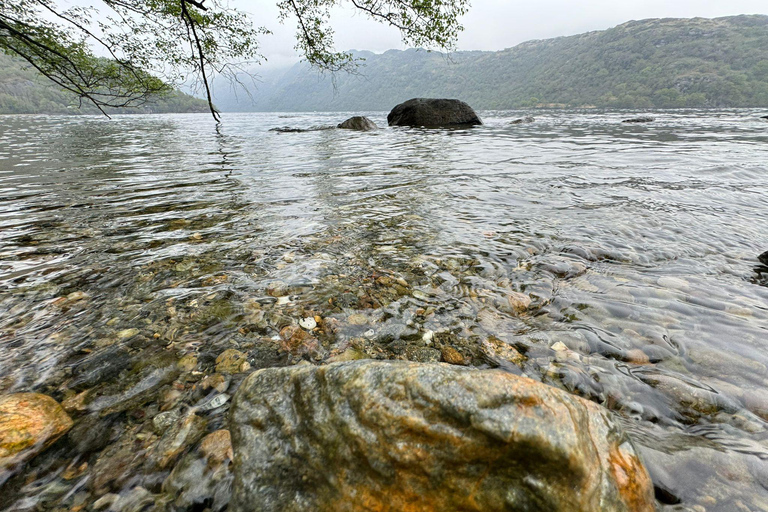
(24,91)
(655,63)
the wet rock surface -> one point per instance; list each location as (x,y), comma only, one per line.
(640,119)
(433,113)
(397,436)
(29,423)
(359,123)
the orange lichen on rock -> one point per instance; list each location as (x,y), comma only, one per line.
(415,437)
(29,423)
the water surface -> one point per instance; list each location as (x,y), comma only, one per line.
(130,243)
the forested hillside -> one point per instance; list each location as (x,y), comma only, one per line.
(24,91)
(657,63)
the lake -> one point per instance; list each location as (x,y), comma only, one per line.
(615,261)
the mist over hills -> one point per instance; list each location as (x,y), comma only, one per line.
(654,63)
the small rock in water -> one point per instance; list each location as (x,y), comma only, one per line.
(187,363)
(216,447)
(309,438)
(29,423)
(127,333)
(357,319)
(216,381)
(176,440)
(214,403)
(232,361)
(359,123)
(451,355)
(642,119)
(519,302)
(763,258)
(308,323)
(75,296)
(524,120)
(165,420)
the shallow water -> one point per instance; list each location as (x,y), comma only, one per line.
(127,244)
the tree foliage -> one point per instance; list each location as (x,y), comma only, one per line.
(123,53)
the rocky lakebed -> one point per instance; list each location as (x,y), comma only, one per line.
(562,313)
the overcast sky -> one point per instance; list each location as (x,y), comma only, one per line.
(495,24)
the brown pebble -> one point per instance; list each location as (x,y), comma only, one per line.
(451,355)
(216,447)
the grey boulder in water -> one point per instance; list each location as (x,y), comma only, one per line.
(433,113)
(359,123)
(524,120)
(642,119)
(396,435)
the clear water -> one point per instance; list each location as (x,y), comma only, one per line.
(129,242)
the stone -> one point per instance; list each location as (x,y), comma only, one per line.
(763,258)
(433,113)
(394,435)
(127,333)
(232,361)
(183,434)
(308,323)
(524,120)
(357,319)
(359,123)
(641,119)
(216,447)
(164,421)
(298,342)
(187,363)
(194,484)
(452,356)
(29,423)
(519,302)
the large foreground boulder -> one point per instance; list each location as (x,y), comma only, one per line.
(359,123)
(433,113)
(395,435)
(29,423)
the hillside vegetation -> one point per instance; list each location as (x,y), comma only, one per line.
(656,63)
(24,91)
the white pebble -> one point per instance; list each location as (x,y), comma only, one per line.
(308,323)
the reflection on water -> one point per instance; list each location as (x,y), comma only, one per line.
(615,261)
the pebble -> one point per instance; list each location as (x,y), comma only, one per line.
(127,333)
(216,447)
(308,323)
(105,501)
(165,420)
(357,319)
(216,381)
(187,363)
(214,403)
(519,302)
(29,423)
(232,361)
(75,296)
(451,355)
